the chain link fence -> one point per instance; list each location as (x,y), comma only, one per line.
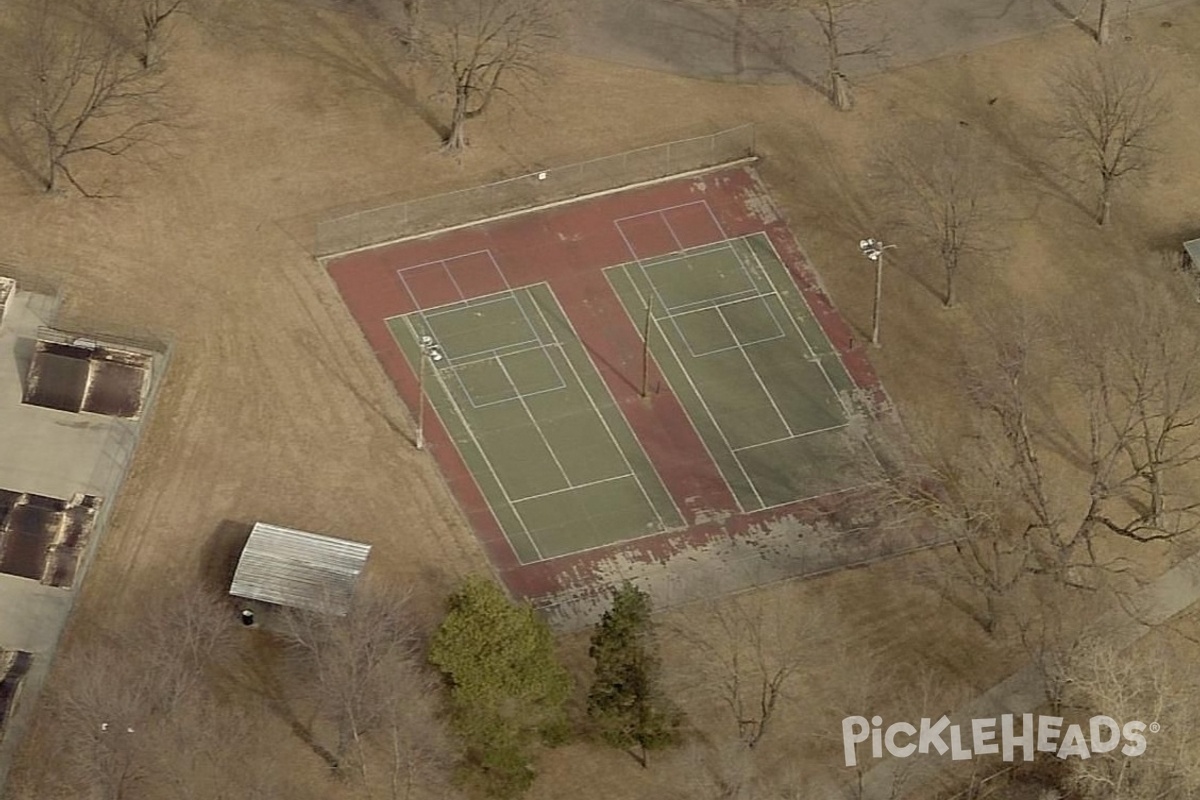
(378,225)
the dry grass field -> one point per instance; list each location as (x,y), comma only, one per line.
(274,409)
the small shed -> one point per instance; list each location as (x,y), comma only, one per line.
(287,567)
(1192,249)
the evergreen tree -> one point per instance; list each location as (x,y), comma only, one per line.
(625,701)
(507,688)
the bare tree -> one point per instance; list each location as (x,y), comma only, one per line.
(78,92)
(479,49)
(982,482)
(1108,108)
(751,650)
(135,713)
(845,34)
(1121,479)
(362,676)
(967,490)
(942,191)
(156,17)
(844,30)
(1141,386)
(1154,683)
(416,750)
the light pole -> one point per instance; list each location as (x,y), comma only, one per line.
(873,249)
(429,351)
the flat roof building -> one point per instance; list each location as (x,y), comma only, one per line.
(297,569)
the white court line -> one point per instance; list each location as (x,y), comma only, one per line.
(629,247)
(572,488)
(764,296)
(761,384)
(795,324)
(704,404)
(525,315)
(469,358)
(775,288)
(487,461)
(645,275)
(450,275)
(465,305)
(536,426)
(522,396)
(660,212)
(662,215)
(596,408)
(717,351)
(456,362)
(404,281)
(562,384)
(793,436)
(737,342)
(714,302)
(686,252)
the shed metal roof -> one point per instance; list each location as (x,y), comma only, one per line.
(1193,250)
(298,569)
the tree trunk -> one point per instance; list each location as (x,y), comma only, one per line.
(1104,212)
(150,49)
(456,140)
(989,625)
(151,19)
(51,164)
(1102,25)
(949,299)
(839,91)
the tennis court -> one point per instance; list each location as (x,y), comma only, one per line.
(534,422)
(742,351)
(639,378)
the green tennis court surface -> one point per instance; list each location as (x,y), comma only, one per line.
(535,424)
(752,367)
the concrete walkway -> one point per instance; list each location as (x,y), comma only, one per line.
(1174,591)
(695,37)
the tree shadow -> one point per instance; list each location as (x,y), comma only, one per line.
(1025,138)
(15,149)
(706,40)
(15,146)
(1073,18)
(553,313)
(258,673)
(345,42)
(776,51)
(339,372)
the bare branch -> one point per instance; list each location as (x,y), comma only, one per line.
(77,91)
(1108,108)
(479,49)
(940,186)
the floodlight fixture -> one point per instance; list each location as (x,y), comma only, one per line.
(873,249)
